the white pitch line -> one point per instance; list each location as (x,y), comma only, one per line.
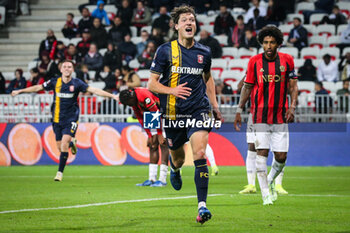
(103,203)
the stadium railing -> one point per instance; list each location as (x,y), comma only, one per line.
(37,108)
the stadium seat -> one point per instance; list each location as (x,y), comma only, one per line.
(338,85)
(204,19)
(76,19)
(133,30)
(222,40)
(310,29)
(92,74)
(316,18)
(232,83)
(291,51)
(75,41)
(229,52)
(238,64)
(102,51)
(100,84)
(344,7)
(148,29)
(298,63)
(330,86)
(219,64)
(134,64)
(111,9)
(316,62)
(341,28)
(346,50)
(136,39)
(231,75)
(144,74)
(2,15)
(261,50)
(319,41)
(285,40)
(32,65)
(334,52)
(301,6)
(290,18)
(332,41)
(286,28)
(325,29)
(65,41)
(246,53)
(215,73)
(306,86)
(309,52)
(208,28)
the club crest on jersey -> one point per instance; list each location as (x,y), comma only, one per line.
(71,88)
(200,59)
(262,70)
(282,68)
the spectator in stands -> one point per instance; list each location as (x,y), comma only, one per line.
(98,34)
(2,84)
(142,44)
(47,67)
(70,29)
(128,49)
(200,6)
(172,33)
(141,16)
(113,57)
(250,12)
(249,41)
(93,59)
(48,43)
(238,31)
(307,72)
(257,22)
(84,45)
(162,22)
(118,31)
(82,73)
(344,94)
(19,82)
(130,79)
(211,42)
(157,37)
(125,12)
(100,13)
(60,52)
(82,6)
(35,79)
(110,81)
(224,22)
(323,102)
(86,21)
(335,18)
(344,39)
(275,13)
(321,6)
(298,35)
(344,67)
(327,70)
(223,90)
(145,59)
(71,53)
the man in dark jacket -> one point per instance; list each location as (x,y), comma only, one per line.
(98,34)
(85,22)
(112,58)
(46,45)
(128,49)
(249,41)
(224,22)
(162,21)
(298,35)
(118,31)
(212,43)
(19,82)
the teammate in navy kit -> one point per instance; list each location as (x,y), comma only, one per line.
(65,109)
(186,91)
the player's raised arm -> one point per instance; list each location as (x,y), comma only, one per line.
(180,91)
(212,96)
(31,89)
(102,93)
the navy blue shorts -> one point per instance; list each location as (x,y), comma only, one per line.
(60,129)
(178,135)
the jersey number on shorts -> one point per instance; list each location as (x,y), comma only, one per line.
(74,126)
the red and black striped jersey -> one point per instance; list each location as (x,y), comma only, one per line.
(271,81)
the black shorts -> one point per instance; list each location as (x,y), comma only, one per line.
(62,128)
(178,135)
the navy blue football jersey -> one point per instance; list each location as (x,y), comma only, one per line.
(178,65)
(65,105)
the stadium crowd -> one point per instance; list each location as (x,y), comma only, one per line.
(113,46)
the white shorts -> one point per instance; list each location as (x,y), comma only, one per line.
(250,129)
(274,136)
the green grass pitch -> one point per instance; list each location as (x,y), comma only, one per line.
(319,201)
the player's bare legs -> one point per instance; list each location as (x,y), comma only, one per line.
(177,159)
(199,141)
(63,147)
